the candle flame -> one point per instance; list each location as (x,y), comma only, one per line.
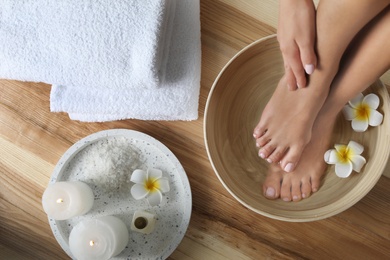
(60,200)
(91,243)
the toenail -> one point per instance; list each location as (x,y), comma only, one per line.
(295,197)
(286,199)
(269,160)
(270,192)
(289,167)
(304,195)
(257,145)
(262,155)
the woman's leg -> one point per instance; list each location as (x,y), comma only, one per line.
(366,60)
(286,124)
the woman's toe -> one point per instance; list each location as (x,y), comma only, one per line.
(259,131)
(271,186)
(306,188)
(266,150)
(285,191)
(291,158)
(277,154)
(296,191)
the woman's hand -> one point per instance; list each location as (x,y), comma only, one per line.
(296,36)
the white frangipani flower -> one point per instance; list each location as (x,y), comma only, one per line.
(362,111)
(150,185)
(346,158)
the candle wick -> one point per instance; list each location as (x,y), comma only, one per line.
(60,200)
(91,243)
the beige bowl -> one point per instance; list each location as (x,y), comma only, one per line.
(233,108)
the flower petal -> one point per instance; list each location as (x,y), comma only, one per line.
(372,100)
(356,100)
(355,147)
(375,118)
(154,174)
(154,198)
(340,147)
(138,176)
(357,162)
(343,170)
(138,191)
(331,157)
(349,112)
(359,125)
(163,185)
(327,155)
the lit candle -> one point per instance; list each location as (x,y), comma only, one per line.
(98,239)
(64,200)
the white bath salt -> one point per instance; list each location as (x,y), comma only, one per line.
(108,164)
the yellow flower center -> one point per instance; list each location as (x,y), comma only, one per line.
(344,154)
(362,112)
(152,185)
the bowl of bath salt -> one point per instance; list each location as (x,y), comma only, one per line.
(234,106)
(105,161)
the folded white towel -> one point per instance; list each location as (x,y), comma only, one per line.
(85,43)
(175,99)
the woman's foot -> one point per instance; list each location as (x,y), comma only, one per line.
(306,178)
(286,124)
(369,47)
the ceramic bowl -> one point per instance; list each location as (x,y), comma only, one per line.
(107,149)
(235,103)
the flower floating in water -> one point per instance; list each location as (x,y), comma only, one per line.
(346,158)
(362,111)
(150,185)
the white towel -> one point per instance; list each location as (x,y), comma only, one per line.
(85,43)
(175,99)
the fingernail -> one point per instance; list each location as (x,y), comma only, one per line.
(269,160)
(270,192)
(289,167)
(309,68)
(262,155)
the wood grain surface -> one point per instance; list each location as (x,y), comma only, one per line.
(32,140)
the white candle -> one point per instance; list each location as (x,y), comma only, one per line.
(98,239)
(64,200)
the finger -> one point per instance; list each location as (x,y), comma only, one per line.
(298,70)
(308,58)
(290,78)
(294,71)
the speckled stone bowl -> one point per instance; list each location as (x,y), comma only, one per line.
(111,198)
(233,109)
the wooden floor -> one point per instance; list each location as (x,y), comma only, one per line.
(32,140)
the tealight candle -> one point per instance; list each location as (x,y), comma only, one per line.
(64,200)
(98,239)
